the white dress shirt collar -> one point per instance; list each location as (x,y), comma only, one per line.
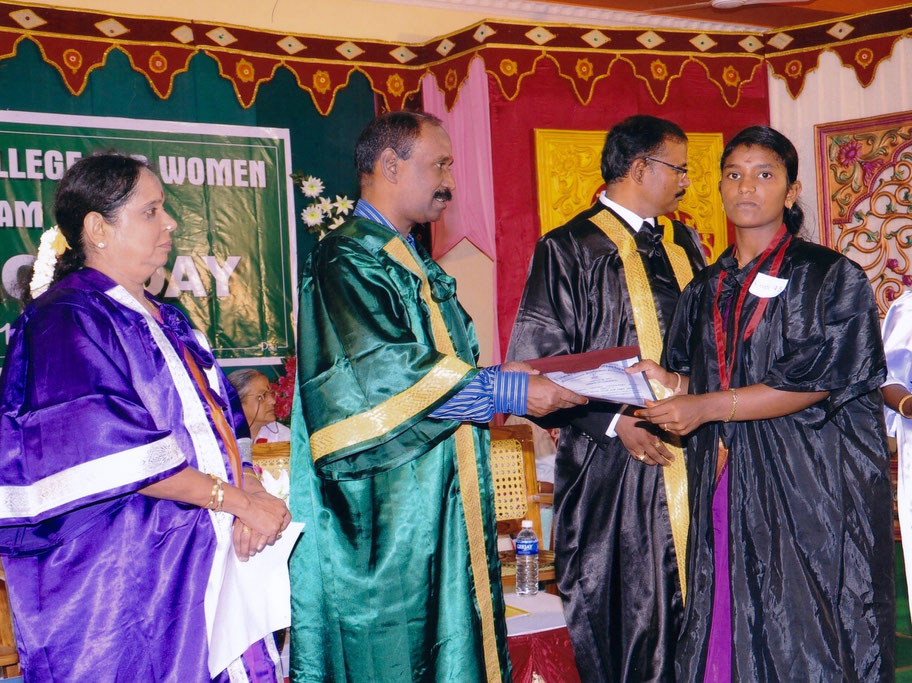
(626,215)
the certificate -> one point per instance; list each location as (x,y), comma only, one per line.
(599,375)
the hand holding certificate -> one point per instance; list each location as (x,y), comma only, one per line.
(599,375)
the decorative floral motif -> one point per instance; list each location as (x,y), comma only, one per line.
(284,390)
(793,69)
(343,205)
(451,80)
(730,76)
(322,208)
(508,67)
(310,186)
(848,153)
(326,205)
(321,81)
(868,190)
(864,57)
(312,216)
(73,59)
(659,70)
(157,63)
(244,71)
(584,68)
(869,169)
(395,85)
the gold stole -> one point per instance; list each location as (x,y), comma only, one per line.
(650,338)
(467,468)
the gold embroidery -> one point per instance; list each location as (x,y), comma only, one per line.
(466,460)
(401,253)
(382,418)
(647,327)
(680,264)
(467,468)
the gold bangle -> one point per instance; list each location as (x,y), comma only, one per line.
(217,495)
(734,406)
(678,385)
(213,495)
(899,408)
(221,496)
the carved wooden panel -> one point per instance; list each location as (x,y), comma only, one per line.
(568,169)
(864,170)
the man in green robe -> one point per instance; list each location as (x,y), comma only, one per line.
(396,577)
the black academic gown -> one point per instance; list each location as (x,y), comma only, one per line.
(616,564)
(810,528)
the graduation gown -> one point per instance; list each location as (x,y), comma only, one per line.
(97,402)
(809,501)
(897,336)
(396,577)
(615,558)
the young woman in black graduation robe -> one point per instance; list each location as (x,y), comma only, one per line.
(805,487)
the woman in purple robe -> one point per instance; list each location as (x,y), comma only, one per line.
(777,350)
(121,487)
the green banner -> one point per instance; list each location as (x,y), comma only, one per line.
(232,269)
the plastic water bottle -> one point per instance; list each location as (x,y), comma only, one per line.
(527,560)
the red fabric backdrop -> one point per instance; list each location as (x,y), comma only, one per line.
(547,101)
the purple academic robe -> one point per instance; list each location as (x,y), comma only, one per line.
(106,583)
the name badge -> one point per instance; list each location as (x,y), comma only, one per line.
(767,287)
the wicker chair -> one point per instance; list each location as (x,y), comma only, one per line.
(9,657)
(516,496)
(273,459)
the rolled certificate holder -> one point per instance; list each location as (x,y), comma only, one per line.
(599,375)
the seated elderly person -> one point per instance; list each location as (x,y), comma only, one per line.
(258,402)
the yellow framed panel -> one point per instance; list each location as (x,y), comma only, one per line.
(568,171)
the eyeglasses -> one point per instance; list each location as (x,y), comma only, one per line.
(679,169)
(262,397)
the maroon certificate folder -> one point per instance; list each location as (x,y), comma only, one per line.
(577,362)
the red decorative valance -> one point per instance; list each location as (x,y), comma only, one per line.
(862,42)
(78,41)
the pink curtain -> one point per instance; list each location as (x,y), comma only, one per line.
(471,213)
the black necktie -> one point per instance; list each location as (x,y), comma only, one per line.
(649,245)
(649,242)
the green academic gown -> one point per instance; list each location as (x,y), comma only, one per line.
(396,577)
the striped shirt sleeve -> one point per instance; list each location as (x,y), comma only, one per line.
(491,391)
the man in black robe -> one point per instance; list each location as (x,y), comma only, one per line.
(610,277)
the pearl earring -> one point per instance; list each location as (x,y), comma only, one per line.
(101,245)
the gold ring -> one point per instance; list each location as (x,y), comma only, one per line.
(245,530)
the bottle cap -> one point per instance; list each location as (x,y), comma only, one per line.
(527,524)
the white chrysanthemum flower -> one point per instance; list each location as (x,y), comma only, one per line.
(312,186)
(343,205)
(325,205)
(312,216)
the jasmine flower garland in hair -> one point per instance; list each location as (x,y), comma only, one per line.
(51,246)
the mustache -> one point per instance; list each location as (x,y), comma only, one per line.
(444,195)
